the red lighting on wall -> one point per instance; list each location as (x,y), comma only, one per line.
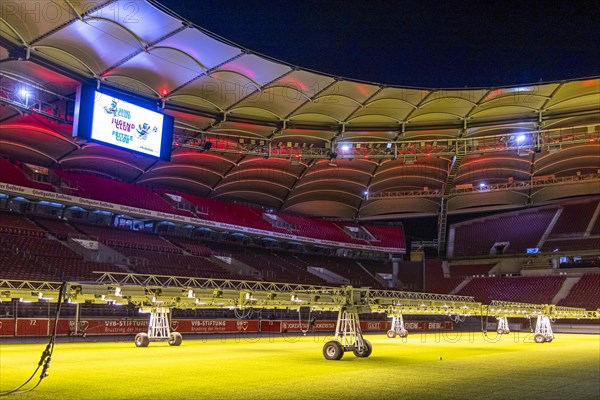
(589,83)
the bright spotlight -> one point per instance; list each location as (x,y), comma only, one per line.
(520,138)
(482,185)
(24,92)
(345,147)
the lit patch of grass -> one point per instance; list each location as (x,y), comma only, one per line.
(279,368)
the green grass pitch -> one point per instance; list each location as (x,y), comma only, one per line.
(472,367)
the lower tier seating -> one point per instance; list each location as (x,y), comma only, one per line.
(585,293)
(539,290)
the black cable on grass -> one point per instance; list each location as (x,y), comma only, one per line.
(46,357)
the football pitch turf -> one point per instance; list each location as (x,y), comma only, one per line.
(422,366)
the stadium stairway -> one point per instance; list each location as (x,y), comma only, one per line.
(183,249)
(565,288)
(236,268)
(460,286)
(375,276)
(549,229)
(593,222)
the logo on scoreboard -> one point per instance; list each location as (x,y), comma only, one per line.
(144,129)
(115,111)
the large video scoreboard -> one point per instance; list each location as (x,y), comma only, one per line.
(117,120)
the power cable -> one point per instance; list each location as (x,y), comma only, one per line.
(46,357)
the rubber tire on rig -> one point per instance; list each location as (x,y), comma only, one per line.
(142,339)
(403,333)
(391,333)
(366,352)
(549,339)
(175,339)
(333,350)
(539,338)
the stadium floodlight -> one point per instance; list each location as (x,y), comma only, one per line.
(295,299)
(41,297)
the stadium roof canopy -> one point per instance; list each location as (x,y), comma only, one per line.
(283,136)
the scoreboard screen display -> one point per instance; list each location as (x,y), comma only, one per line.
(110,119)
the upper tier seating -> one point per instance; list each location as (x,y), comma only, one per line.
(529,289)
(574,219)
(10,173)
(129,194)
(389,236)
(521,230)
(117,192)
(585,293)
(318,229)
(231,213)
